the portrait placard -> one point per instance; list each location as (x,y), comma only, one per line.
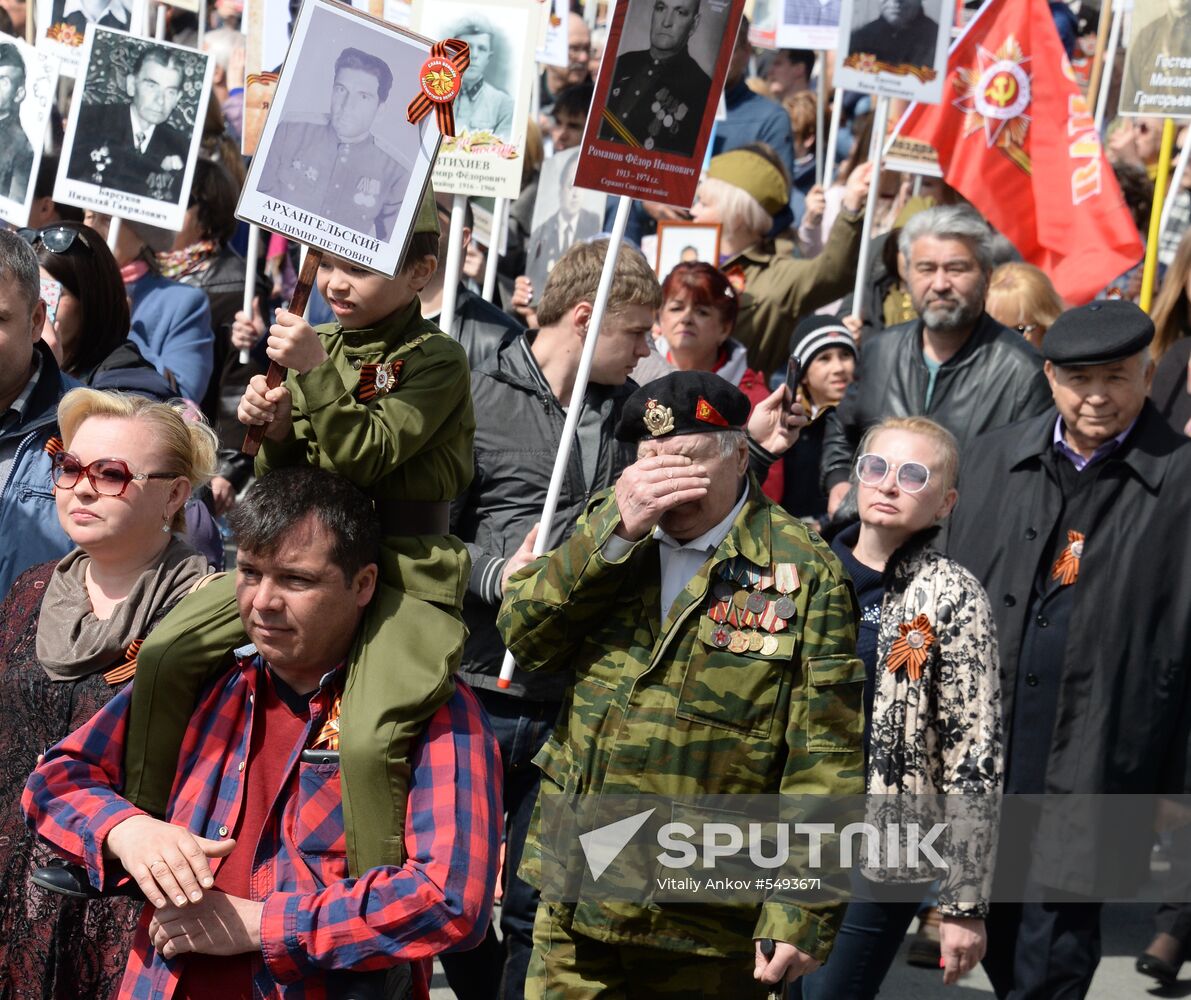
(808,24)
(339,167)
(651,118)
(763,22)
(686,242)
(894,48)
(26,104)
(553,51)
(563,215)
(1157,79)
(62,25)
(484,157)
(134,129)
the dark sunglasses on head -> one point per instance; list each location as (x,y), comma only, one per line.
(911,477)
(109,477)
(56,239)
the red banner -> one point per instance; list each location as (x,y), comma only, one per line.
(1014,136)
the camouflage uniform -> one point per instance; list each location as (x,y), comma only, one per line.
(661,710)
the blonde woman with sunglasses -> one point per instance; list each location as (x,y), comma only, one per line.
(69,631)
(932,697)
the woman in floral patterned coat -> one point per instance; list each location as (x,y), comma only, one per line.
(932,699)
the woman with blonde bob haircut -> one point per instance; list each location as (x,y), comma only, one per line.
(69,634)
(932,698)
(1021,297)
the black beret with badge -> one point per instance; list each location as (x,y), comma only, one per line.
(1097,333)
(683,403)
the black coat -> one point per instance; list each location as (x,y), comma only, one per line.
(1124,705)
(995,379)
(519,426)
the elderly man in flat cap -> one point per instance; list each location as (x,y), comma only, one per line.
(710,642)
(1076,523)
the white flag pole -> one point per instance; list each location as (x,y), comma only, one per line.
(159,32)
(837,108)
(250,262)
(820,111)
(1176,185)
(1110,57)
(450,286)
(500,212)
(875,149)
(549,508)
(113,233)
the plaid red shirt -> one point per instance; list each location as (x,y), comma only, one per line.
(315,917)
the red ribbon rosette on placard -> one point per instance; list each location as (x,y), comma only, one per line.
(440,79)
(910,649)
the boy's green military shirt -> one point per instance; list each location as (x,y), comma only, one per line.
(659,709)
(411,443)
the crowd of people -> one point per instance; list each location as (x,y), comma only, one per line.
(924,548)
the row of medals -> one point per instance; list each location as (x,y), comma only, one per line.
(746,610)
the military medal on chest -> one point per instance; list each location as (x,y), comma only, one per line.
(378,380)
(747,616)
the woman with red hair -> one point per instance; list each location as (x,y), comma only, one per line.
(699,308)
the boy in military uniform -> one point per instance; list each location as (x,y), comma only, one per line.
(330,164)
(382,397)
(710,639)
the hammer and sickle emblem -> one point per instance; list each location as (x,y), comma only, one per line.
(1002,90)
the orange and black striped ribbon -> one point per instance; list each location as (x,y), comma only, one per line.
(328,734)
(1066,567)
(124,670)
(53,446)
(458,54)
(367,388)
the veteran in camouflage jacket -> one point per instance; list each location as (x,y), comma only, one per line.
(660,702)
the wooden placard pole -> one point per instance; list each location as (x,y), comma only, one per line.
(250,263)
(1150,270)
(820,112)
(297,305)
(578,391)
(454,264)
(500,213)
(875,149)
(1110,58)
(1098,75)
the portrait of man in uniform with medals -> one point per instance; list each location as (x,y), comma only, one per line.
(658,93)
(135,126)
(329,163)
(483,105)
(1154,83)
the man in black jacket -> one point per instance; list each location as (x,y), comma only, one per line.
(1076,523)
(955,364)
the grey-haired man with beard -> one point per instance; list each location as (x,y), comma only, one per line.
(955,364)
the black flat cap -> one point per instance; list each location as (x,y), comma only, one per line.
(683,403)
(1097,333)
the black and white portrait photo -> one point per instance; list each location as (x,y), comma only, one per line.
(563,215)
(329,162)
(484,103)
(1155,80)
(28,80)
(66,23)
(808,24)
(661,82)
(484,156)
(338,165)
(135,127)
(897,48)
